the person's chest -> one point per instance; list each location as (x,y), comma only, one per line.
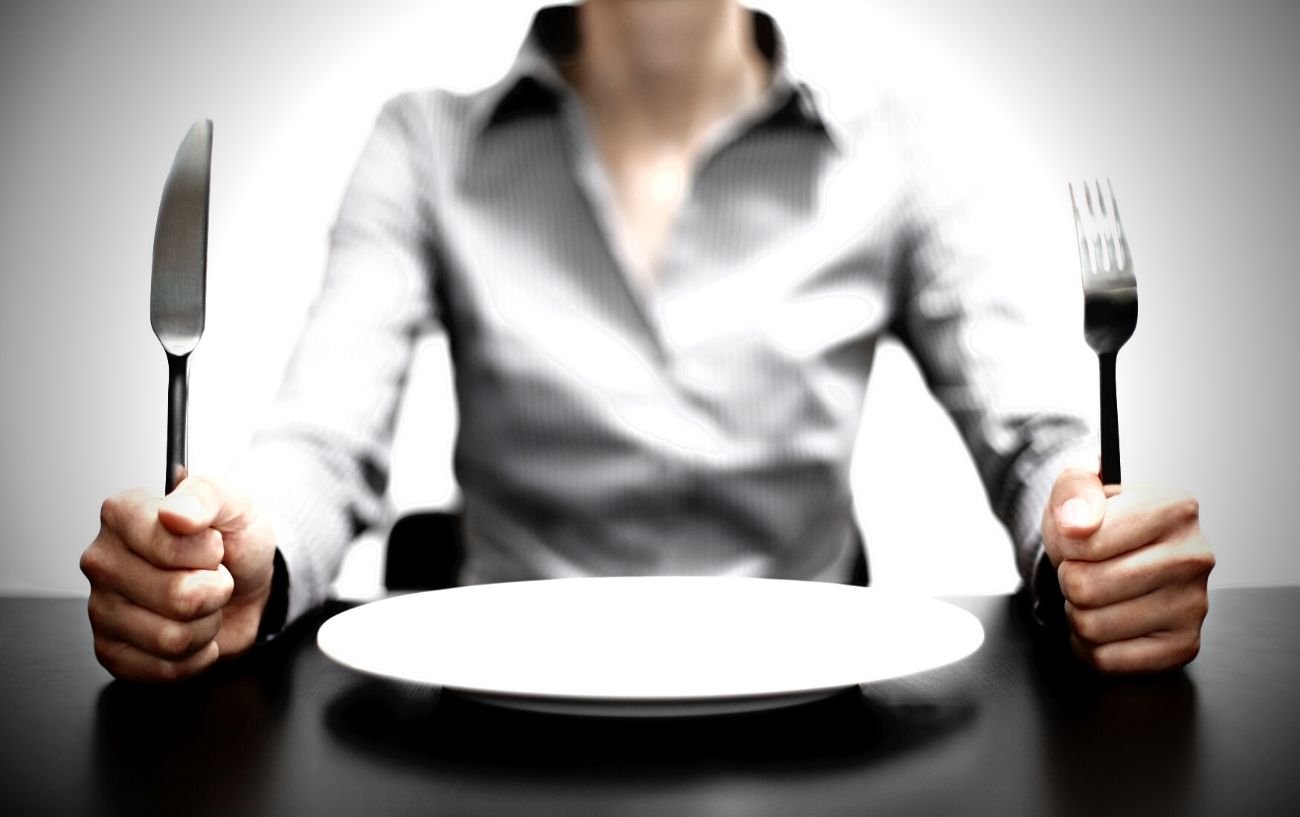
(775,274)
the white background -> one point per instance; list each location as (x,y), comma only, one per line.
(1189,107)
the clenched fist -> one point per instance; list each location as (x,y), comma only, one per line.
(1133,566)
(177,582)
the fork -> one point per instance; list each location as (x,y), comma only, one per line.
(1110,303)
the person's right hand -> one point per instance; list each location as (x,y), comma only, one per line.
(177,582)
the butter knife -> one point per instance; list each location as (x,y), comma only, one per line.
(178,291)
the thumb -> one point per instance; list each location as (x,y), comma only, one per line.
(199,503)
(1078,503)
(248,541)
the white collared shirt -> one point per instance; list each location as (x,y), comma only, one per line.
(702,427)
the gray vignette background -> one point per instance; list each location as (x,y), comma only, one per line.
(1190,107)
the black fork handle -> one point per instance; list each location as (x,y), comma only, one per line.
(1109,421)
(178,393)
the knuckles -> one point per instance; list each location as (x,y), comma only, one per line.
(1201,609)
(96,610)
(188,598)
(185,601)
(1084,624)
(110,512)
(1077,584)
(1201,560)
(106,653)
(115,656)
(1192,562)
(175,640)
(1187,509)
(116,511)
(1100,660)
(1178,649)
(1194,609)
(92,563)
(1111,662)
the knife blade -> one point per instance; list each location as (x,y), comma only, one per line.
(178,294)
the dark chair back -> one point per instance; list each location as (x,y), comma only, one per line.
(425,551)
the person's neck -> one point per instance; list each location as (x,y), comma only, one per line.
(666,70)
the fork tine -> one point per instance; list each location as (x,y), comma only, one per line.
(1080,234)
(1119,228)
(1094,221)
(1103,249)
(1108,230)
(1107,234)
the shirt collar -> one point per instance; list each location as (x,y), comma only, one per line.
(801,95)
(534,82)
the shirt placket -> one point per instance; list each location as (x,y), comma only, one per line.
(596,190)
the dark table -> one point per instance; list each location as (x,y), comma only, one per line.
(1016,729)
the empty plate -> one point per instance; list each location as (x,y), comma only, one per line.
(650,646)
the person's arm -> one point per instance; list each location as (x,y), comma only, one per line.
(319,465)
(178,582)
(1123,571)
(986,309)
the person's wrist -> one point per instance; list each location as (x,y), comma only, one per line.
(1047,602)
(276,607)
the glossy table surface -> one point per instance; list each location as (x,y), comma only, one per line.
(1015,729)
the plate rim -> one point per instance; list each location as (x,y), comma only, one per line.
(519,697)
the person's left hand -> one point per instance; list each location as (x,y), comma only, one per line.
(1133,565)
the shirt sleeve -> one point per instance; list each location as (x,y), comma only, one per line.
(319,465)
(988,303)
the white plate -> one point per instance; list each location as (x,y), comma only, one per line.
(650,645)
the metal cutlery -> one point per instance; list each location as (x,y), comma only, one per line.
(1110,302)
(178,291)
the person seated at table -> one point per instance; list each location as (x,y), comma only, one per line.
(663,259)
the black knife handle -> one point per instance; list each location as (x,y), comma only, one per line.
(178,396)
